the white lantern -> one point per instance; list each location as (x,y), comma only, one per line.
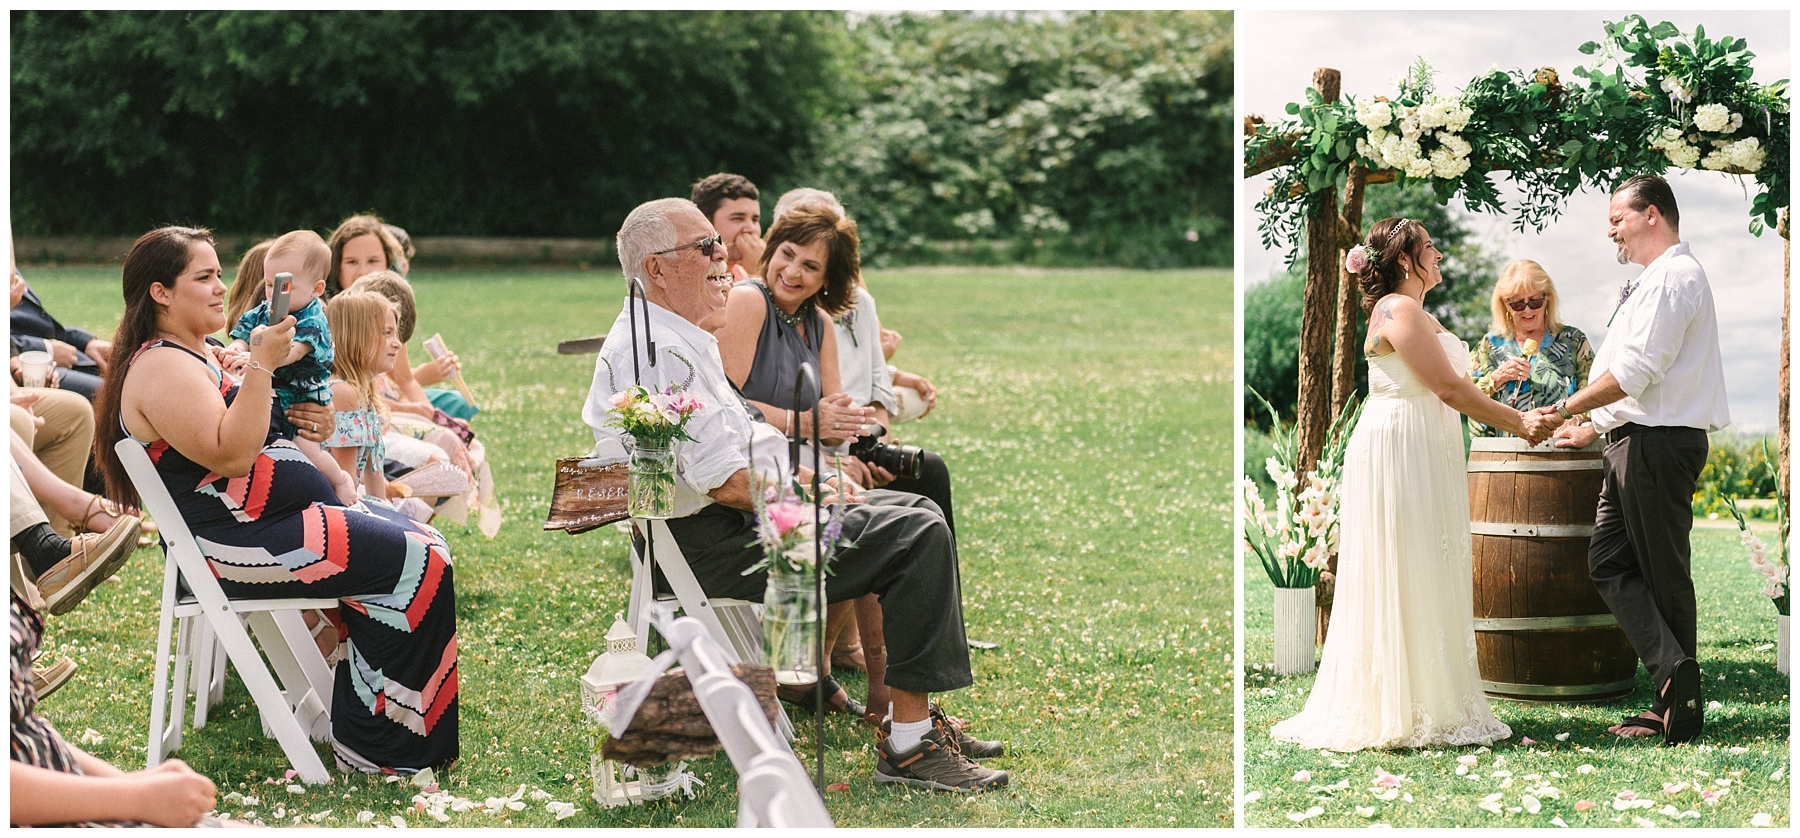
(621,664)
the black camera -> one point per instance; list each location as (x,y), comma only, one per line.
(901,460)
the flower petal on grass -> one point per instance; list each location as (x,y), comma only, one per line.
(1468,759)
(1365,811)
(1739,751)
(1302,776)
(1584,768)
(1562,737)
(1531,804)
(1558,821)
(1583,805)
(1249,798)
(1313,812)
(1527,741)
(1761,819)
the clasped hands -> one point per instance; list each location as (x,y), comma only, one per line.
(1545,423)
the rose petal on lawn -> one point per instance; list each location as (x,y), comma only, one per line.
(846,787)
(1531,804)
(1461,770)
(1584,768)
(1714,705)
(1739,751)
(319,816)
(1302,776)
(91,737)
(1558,821)
(1387,794)
(1249,798)
(1760,819)
(1365,811)
(1313,812)
(1527,741)
(1469,760)
(296,788)
(1627,794)
(561,810)
(1648,824)
(398,822)
(1669,811)
(365,816)
(1384,779)
(1583,805)
(1562,737)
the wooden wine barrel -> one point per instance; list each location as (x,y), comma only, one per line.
(1542,633)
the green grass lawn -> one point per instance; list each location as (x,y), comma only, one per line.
(1743,754)
(1086,417)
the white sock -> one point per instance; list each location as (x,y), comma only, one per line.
(907,735)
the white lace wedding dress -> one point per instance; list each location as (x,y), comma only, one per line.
(1399,670)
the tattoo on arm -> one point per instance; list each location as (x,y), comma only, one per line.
(1378,318)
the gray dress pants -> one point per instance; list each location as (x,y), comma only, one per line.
(903,552)
(1640,557)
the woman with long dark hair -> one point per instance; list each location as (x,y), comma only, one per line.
(269,522)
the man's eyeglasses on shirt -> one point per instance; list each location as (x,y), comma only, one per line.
(706,246)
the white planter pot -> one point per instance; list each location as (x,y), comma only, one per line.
(1781,643)
(1295,618)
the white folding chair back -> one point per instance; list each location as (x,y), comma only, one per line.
(773,788)
(296,705)
(734,624)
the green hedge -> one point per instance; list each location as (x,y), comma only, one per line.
(1074,137)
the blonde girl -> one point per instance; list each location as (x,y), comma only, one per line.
(367,336)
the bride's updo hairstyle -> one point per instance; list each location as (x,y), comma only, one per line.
(1376,262)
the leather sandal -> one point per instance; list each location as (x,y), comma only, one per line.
(1650,723)
(98,505)
(852,660)
(1686,716)
(837,699)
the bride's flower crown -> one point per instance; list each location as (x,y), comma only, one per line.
(1363,256)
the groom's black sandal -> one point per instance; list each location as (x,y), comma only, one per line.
(1650,723)
(1686,716)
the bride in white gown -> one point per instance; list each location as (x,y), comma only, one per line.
(1398,670)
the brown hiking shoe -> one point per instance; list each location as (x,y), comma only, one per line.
(933,764)
(968,745)
(93,558)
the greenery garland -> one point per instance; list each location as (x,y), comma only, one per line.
(1653,99)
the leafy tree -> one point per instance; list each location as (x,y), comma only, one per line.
(1104,133)
(504,123)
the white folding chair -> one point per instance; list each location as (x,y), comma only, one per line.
(773,788)
(296,705)
(735,624)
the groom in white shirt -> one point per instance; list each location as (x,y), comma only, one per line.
(1657,387)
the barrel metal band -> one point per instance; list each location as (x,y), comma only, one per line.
(1504,688)
(1532,530)
(1540,623)
(1536,465)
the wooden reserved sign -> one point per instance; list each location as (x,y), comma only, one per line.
(587,497)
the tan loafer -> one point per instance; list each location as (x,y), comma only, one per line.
(93,558)
(49,679)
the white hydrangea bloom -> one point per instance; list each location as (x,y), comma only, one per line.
(1374,115)
(1712,118)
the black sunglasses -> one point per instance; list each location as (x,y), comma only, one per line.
(706,246)
(1534,304)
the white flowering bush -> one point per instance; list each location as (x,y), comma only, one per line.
(1296,540)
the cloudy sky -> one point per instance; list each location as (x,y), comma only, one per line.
(1278,51)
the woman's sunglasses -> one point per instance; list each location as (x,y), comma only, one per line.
(706,246)
(1534,304)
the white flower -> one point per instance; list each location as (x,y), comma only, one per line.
(1676,92)
(1318,556)
(1712,118)
(1374,115)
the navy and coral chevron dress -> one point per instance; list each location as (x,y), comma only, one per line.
(280,531)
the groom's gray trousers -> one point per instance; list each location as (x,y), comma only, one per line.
(1640,557)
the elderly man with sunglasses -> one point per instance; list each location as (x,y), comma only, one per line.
(903,550)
